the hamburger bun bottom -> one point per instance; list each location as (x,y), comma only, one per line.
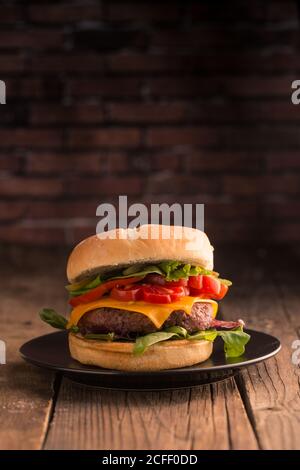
(117,355)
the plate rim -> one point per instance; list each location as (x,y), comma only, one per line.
(87,370)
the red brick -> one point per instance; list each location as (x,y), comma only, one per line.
(182,86)
(11,63)
(222,160)
(246,62)
(27,88)
(117,162)
(135,62)
(258,86)
(11,13)
(27,235)
(243,111)
(65,13)
(284,160)
(225,85)
(233,137)
(11,114)
(167,161)
(174,40)
(279,12)
(253,137)
(265,111)
(284,232)
(147,112)
(32,138)
(235,232)
(253,61)
(211,11)
(282,210)
(106,87)
(181,136)
(208,111)
(68,62)
(60,114)
(19,186)
(84,231)
(166,183)
(10,162)
(83,163)
(63,162)
(190,198)
(31,39)
(256,11)
(34,88)
(62,209)
(231,211)
(112,137)
(251,185)
(105,186)
(124,11)
(11,210)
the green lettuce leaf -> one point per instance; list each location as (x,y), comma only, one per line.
(50,316)
(140,272)
(95,282)
(101,337)
(207,335)
(175,270)
(178,330)
(234,341)
(144,342)
(132,271)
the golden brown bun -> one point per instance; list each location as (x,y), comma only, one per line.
(117,355)
(97,254)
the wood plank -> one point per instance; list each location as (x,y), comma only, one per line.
(197,418)
(270,390)
(26,392)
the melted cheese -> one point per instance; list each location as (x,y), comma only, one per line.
(157,313)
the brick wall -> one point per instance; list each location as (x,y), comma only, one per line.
(163,101)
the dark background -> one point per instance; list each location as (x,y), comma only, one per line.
(163,101)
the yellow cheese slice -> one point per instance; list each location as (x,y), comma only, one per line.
(157,313)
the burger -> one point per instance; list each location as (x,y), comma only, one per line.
(144,303)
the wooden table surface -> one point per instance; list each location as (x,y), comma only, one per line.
(258,409)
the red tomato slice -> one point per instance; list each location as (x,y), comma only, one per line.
(198,293)
(162,295)
(196,281)
(177,292)
(187,290)
(99,291)
(211,286)
(222,293)
(211,289)
(127,293)
(156,295)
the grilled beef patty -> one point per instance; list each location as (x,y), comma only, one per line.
(130,324)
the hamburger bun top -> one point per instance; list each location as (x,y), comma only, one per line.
(146,244)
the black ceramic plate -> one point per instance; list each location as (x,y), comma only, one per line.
(51,351)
